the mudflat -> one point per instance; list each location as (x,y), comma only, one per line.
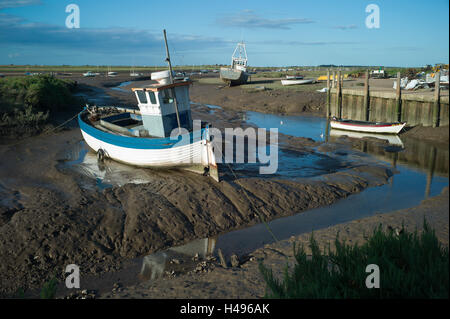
(52,216)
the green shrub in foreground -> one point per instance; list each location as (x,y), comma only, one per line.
(41,92)
(411,266)
(26,102)
(48,291)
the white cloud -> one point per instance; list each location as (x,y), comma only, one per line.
(18,3)
(248,19)
(346,27)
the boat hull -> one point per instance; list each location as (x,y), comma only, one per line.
(191,152)
(368,127)
(233,77)
(296,82)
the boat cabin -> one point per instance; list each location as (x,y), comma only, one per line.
(158,108)
(239,58)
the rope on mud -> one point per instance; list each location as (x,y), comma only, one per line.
(49,130)
(61,125)
(248,197)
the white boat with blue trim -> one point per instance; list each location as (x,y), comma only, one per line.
(159,134)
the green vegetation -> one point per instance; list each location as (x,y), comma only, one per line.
(411,73)
(20,294)
(411,266)
(26,102)
(48,291)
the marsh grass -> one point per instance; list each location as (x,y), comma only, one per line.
(49,288)
(26,102)
(412,265)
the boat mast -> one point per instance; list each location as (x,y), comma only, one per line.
(171,82)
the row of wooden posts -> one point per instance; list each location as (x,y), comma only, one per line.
(337,82)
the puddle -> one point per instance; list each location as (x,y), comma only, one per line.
(102,175)
(211,108)
(214,107)
(121,86)
(299,126)
(170,262)
(293,164)
(95,96)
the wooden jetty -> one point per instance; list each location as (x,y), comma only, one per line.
(387,106)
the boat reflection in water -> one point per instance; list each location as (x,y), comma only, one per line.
(154,265)
(390,138)
(411,153)
(107,173)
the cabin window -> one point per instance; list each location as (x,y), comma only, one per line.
(152,97)
(142,97)
(167,97)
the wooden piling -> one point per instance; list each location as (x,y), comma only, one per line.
(436,106)
(333,84)
(339,96)
(430,171)
(223,262)
(415,109)
(328,94)
(398,100)
(366,97)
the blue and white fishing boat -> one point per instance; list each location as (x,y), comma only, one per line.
(160,134)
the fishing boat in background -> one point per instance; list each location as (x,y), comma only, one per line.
(369,127)
(237,73)
(133,73)
(296,81)
(294,77)
(144,137)
(89,74)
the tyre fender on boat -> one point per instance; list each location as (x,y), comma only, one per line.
(100,155)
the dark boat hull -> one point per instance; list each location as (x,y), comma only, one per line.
(233,76)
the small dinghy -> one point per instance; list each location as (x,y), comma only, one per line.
(369,127)
(296,81)
(159,134)
(294,77)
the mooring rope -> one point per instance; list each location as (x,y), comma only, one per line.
(248,197)
(61,125)
(46,131)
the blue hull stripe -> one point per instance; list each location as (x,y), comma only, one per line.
(138,142)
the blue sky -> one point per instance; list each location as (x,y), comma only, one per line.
(276,33)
